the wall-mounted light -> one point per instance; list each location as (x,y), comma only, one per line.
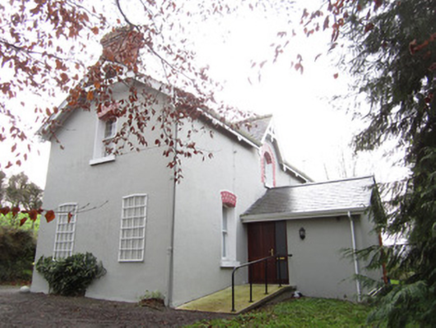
(302,233)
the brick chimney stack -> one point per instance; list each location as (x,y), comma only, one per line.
(122,46)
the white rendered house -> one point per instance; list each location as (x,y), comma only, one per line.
(183,239)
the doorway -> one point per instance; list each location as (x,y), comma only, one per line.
(266,239)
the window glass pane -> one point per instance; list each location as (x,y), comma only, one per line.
(268,174)
(64,237)
(225,241)
(110,128)
(228,235)
(133,228)
(225,215)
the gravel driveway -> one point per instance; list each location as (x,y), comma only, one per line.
(40,310)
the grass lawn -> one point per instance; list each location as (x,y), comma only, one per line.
(304,312)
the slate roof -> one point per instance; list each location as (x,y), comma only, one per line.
(256,127)
(313,200)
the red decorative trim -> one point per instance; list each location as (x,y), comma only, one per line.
(228,198)
(270,159)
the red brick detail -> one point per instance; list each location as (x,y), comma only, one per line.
(228,198)
(268,156)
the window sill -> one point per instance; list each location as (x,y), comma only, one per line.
(229,263)
(102,160)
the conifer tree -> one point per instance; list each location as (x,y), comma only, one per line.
(393,57)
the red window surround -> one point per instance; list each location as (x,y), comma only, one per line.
(228,198)
(267,156)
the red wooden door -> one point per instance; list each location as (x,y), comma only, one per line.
(266,239)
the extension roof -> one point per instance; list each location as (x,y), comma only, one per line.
(311,200)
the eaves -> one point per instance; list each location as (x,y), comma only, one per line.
(302,215)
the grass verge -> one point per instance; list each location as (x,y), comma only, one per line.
(304,312)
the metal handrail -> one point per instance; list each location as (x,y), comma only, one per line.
(265,259)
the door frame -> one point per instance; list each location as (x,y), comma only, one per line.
(262,238)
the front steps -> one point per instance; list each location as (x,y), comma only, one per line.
(221,301)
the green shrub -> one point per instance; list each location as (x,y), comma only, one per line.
(17,253)
(70,276)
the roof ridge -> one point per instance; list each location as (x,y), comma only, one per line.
(254,118)
(325,182)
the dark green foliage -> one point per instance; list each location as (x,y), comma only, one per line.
(394,49)
(17,253)
(70,276)
(22,194)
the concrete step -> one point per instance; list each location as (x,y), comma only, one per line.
(221,301)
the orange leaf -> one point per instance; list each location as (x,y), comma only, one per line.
(95,30)
(90,95)
(50,216)
(69,217)
(336,75)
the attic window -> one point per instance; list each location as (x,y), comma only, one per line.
(110,129)
(106,131)
(268,167)
(268,170)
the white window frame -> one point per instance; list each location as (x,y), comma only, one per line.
(228,237)
(132,229)
(102,142)
(225,233)
(65,231)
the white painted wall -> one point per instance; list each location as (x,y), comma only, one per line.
(318,267)
(71,179)
(197,253)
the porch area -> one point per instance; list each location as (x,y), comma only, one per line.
(221,301)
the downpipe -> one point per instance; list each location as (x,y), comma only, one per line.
(356,262)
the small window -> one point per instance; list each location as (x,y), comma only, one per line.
(269,174)
(65,231)
(268,170)
(132,233)
(110,130)
(103,145)
(228,230)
